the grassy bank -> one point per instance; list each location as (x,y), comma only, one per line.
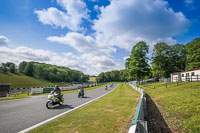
(22,81)
(180,104)
(110,114)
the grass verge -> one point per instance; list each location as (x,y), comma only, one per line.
(19,96)
(180,103)
(110,114)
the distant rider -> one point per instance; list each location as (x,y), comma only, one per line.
(57,90)
(82,90)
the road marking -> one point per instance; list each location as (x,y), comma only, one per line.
(57,116)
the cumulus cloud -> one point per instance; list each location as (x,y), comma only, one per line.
(136,20)
(3,40)
(71,17)
(83,44)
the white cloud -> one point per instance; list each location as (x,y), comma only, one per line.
(136,20)
(3,40)
(71,17)
(96,8)
(83,44)
(91,53)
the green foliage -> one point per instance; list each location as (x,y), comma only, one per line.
(29,69)
(112,76)
(12,68)
(52,73)
(168,59)
(22,66)
(193,54)
(138,61)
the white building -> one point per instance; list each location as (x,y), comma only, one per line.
(193,75)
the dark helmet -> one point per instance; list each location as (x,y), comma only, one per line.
(56,86)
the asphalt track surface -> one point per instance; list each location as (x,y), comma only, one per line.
(17,115)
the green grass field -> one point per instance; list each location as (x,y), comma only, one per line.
(180,101)
(110,114)
(22,81)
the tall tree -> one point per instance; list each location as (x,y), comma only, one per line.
(29,69)
(193,54)
(12,68)
(22,66)
(138,62)
(177,58)
(161,60)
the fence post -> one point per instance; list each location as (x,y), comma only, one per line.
(197,78)
(166,85)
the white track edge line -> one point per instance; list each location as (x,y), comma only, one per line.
(57,116)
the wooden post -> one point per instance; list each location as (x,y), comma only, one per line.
(166,85)
(197,78)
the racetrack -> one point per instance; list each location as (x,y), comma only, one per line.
(17,115)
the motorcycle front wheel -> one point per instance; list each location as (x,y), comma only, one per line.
(49,104)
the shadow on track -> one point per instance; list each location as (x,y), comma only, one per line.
(62,107)
(85,97)
(155,120)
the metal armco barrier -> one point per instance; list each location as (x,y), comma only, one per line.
(139,123)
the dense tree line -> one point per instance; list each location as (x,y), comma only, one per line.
(114,75)
(46,71)
(165,59)
(8,67)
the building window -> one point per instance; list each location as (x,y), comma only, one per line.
(182,75)
(187,74)
(192,73)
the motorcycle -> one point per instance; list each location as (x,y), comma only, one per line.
(106,88)
(53,100)
(80,93)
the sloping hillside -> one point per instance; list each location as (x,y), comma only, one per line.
(22,81)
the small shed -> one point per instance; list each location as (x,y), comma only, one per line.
(4,89)
(192,75)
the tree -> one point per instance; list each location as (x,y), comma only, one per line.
(29,69)
(177,58)
(193,54)
(161,60)
(138,62)
(12,68)
(22,67)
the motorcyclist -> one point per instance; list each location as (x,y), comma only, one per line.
(106,88)
(82,90)
(57,90)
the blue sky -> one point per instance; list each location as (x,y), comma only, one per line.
(91,35)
